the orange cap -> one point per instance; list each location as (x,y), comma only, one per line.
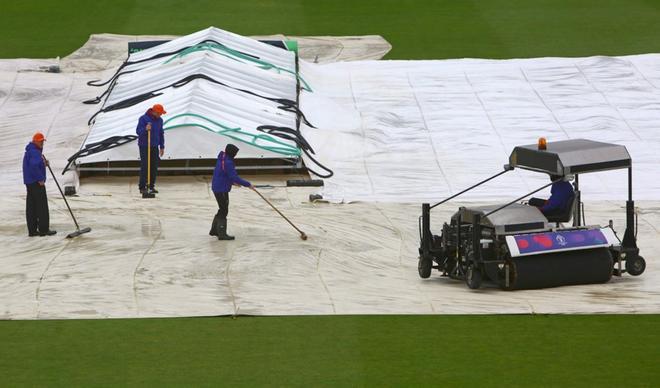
(38,137)
(158,108)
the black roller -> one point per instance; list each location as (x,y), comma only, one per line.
(560,269)
(305,182)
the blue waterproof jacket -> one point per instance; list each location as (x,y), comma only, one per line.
(34,168)
(157,134)
(561,194)
(225,175)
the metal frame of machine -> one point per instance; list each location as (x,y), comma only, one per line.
(517,247)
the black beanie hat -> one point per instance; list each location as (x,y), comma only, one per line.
(231,150)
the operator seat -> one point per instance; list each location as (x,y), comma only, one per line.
(565,215)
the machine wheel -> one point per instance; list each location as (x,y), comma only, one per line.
(424,267)
(636,266)
(473,277)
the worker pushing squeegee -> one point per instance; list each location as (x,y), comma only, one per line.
(224,177)
(34,178)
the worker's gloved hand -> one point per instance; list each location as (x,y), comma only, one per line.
(253,188)
(148,126)
(162,151)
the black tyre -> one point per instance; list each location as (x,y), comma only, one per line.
(473,277)
(424,267)
(635,266)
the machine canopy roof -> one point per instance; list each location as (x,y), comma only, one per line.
(571,157)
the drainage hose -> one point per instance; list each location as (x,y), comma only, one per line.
(94,148)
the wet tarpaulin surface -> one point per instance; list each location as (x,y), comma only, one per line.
(155,258)
(407,131)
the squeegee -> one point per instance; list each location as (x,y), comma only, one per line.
(78,231)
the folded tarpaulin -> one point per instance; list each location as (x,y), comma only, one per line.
(217,88)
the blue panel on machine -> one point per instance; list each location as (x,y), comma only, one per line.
(536,243)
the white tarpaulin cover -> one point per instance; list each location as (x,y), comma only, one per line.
(154,258)
(217,87)
(411,131)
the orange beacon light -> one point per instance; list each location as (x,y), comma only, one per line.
(542,144)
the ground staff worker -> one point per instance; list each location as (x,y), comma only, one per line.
(224,176)
(561,195)
(150,122)
(34,178)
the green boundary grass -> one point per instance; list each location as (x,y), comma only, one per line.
(475,351)
(344,350)
(418,29)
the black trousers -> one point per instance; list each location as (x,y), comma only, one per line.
(223,204)
(143,167)
(36,209)
(538,202)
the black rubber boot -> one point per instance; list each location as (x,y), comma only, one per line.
(214,226)
(222,230)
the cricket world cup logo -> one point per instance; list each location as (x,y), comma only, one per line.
(561,240)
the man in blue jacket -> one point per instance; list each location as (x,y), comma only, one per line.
(150,122)
(224,177)
(561,194)
(34,178)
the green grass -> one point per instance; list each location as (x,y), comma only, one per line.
(417,29)
(365,350)
(346,350)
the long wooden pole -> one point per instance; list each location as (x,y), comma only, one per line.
(302,234)
(148,159)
